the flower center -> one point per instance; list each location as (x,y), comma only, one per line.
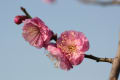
(71,48)
(32,31)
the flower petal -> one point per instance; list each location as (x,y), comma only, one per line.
(60,57)
(76,58)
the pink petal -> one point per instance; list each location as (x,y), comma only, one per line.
(54,50)
(64,62)
(76,58)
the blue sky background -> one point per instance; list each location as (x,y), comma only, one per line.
(20,61)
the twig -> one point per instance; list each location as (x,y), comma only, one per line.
(26,13)
(98,59)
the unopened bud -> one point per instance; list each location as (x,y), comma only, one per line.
(19,19)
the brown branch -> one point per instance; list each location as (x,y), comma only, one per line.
(109,3)
(26,13)
(103,3)
(116,64)
(98,59)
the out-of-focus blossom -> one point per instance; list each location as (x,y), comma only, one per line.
(73,44)
(61,59)
(19,19)
(49,1)
(36,32)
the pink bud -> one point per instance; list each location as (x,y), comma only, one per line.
(18,19)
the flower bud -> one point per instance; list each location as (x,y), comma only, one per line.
(19,19)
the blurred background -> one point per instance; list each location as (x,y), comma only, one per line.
(20,61)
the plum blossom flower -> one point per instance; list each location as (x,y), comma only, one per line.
(36,32)
(73,44)
(61,59)
(69,49)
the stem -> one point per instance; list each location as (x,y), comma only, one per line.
(54,37)
(26,13)
(98,59)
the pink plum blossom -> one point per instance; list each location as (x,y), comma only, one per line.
(69,49)
(73,44)
(59,56)
(36,32)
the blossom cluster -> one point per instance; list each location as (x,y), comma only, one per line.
(68,50)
